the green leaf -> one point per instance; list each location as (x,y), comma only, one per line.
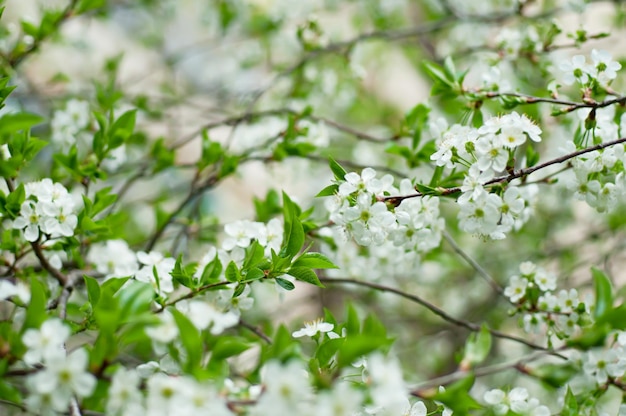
(314,260)
(449,68)
(212,151)
(238,290)
(15,199)
(296,239)
(211,272)
(445,83)
(135,299)
(232,272)
(594,336)
(102,200)
(284,346)
(268,208)
(555,375)
(122,129)
(162,156)
(226,347)
(14,122)
(9,393)
(353,324)
(93,290)
(36,310)
(532,156)
(305,274)
(477,347)
(615,317)
(570,405)
(111,286)
(373,327)
(87,5)
(327,350)
(254,274)
(356,346)
(190,338)
(603,291)
(339,172)
(434,181)
(255,254)
(416,120)
(293,234)
(330,190)
(426,190)
(285,284)
(456,396)
(229,165)
(180,274)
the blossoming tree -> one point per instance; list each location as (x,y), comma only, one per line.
(219,207)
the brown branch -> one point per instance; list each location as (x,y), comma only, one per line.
(255,330)
(419,389)
(248,117)
(572,105)
(60,277)
(194,192)
(396,200)
(437,311)
(481,271)
(193,294)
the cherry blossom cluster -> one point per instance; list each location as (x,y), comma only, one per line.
(516,401)
(414,225)
(164,394)
(68,123)
(286,389)
(597,177)
(113,258)
(602,69)
(48,209)
(486,152)
(600,364)
(533,291)
(63,376)
(375,263)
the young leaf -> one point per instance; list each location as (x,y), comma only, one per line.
(477,348)
(211,272)
(330,190)
(338,171)
(285,284)
(570,405)
(36,310)
(93,290)
(305,274)
(190,338)
(13,122)
(232,272)
(604,296)
(314,261)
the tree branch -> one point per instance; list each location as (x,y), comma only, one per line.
(396,200)
(436,310)
(481,271)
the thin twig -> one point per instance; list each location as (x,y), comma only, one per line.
(255,330)
(478,372)
(481,271)
(510,177)
(572,105)
(193,293)
(436,310)
(74,410)
(60,277)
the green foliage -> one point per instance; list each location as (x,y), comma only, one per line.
(477,347)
